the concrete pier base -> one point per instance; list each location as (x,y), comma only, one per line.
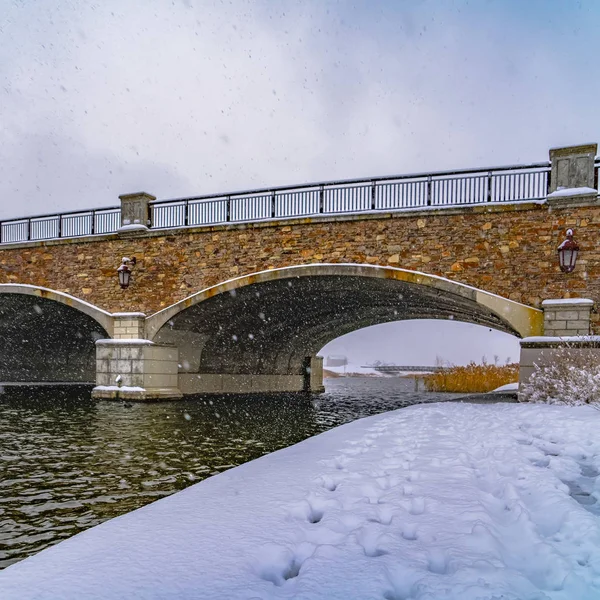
(310,380)
(543,351)
(136,369)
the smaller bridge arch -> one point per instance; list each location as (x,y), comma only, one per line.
(102,317)
(48,336)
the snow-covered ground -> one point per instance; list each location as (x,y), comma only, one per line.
(509,387)
(355,370)
(440,501)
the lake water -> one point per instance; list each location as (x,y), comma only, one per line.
(68,463)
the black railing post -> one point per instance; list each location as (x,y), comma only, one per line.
(93,224)
(59,226)
(228,209)
(186,216)
(373,194)
(321,198)
(489,187)
(429,191)
(273,204)
(28,229)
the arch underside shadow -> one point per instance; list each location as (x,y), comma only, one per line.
(270,326)
(43,340)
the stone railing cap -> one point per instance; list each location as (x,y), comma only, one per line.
(124,342)
(568,302)
(578,149)
(135,195)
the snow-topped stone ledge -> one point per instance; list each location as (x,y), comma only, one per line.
(571,197)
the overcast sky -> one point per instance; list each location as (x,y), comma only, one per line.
(194,96)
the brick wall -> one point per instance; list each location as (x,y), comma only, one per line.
(508,250)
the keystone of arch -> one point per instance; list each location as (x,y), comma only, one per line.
(524,320)
(102,317)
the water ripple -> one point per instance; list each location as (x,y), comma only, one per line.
(69,463)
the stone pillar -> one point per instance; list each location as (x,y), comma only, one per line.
(129,325)
(136,369)
(567,329)
(135,212)
(567,317)
(573,176)
(316,374)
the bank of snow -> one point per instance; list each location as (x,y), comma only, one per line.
(355,371)
(452,501)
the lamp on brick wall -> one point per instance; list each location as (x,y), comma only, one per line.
(567,253)
(124,271)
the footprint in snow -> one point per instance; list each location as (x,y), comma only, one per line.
(417,506)
(312,509)
(409,531)
(370,541)
(330,482)
(438,561)
(383,515)
(279,564)
(339,462)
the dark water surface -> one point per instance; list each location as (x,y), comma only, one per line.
(68,463)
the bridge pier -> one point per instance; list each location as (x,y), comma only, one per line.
(567,328)
(133,368)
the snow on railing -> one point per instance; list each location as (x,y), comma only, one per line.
(398,192)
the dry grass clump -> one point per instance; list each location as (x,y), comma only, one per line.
(473,378)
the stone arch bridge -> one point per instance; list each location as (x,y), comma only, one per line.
(238,292)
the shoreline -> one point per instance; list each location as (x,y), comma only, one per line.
(353,512)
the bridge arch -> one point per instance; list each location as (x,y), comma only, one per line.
(102,317)
(48,336)
(270,322)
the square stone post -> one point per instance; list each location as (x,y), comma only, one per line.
(573,176)
(316,374)
(567,317)
(129,325)
(135,212)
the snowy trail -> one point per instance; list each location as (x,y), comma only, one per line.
(437,501)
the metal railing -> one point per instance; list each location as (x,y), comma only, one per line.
(64,225)
(448,188)
(400,192)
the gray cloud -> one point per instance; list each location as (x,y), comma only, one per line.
(221,96)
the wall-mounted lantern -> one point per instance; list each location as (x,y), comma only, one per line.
(567,253)
(124,271)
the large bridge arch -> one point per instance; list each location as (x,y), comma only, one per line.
(268,323)
(48,336)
